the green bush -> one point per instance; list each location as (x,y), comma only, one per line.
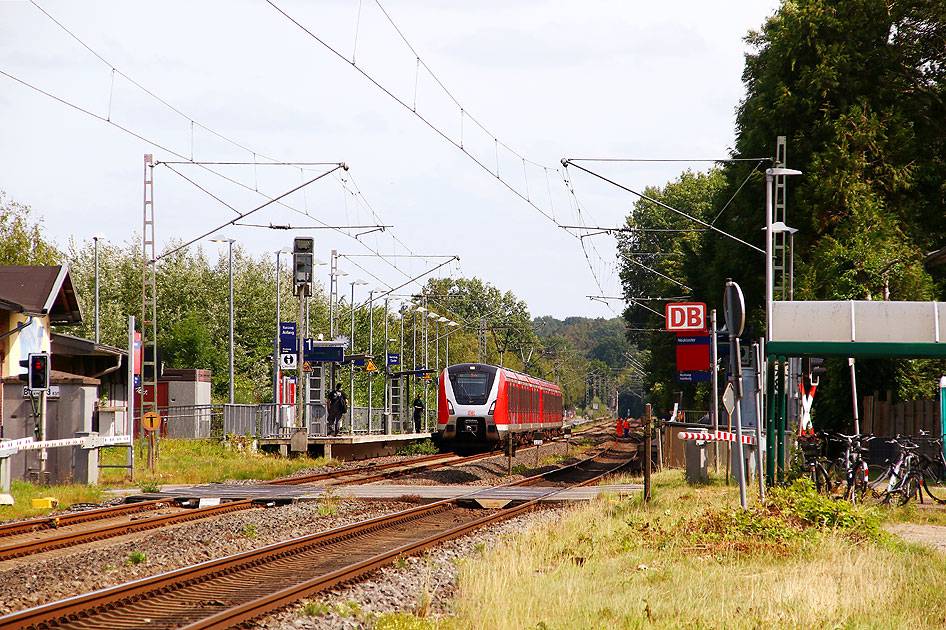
(426,447)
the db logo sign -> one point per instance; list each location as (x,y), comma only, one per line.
(686,317)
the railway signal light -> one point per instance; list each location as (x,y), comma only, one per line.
(302,250)
(812,369)
(37,371)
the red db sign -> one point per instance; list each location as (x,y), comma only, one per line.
(686,316)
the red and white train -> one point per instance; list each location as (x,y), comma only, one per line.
(485,403)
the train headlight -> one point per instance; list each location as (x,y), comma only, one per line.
(450,408)
(492,408)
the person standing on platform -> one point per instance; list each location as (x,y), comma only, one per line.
(337,406)
(418,406)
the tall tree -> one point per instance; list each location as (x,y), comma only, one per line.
(21,238)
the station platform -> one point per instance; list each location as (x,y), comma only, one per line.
(345,447)
(486,496)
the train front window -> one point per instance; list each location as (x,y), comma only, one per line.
(471,384)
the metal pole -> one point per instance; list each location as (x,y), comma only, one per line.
(737,377)
(130,403)
(300,390)
(770,422)
(426,362)
(714,410)
(370,351)
(769,272)
(96,240)
(757,368)
(276,370)
(647,429)
(351,414)
(230,248)
(781,399)
(857,424)
(331,293)
(387,368)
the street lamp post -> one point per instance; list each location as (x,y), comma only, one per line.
(358,282)
(770,175)
(229,242)
(450,324)
(276,369)
(96,238)
(433,316)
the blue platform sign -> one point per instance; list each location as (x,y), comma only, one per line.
(394,358)
(287,337)
(693,377)
(321,353)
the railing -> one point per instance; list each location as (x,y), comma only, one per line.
(272,421)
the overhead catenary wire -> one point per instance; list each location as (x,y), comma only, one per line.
(567,162)
(464,114)
(357,194)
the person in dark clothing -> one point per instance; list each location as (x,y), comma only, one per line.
(418,406)
(337,406)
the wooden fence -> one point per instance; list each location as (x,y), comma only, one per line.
(881,417)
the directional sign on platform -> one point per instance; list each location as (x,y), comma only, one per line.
(322,351)
(287,337)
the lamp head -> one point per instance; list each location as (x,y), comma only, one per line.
(775,172)
(779,226)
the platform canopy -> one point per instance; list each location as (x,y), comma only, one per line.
(859,329)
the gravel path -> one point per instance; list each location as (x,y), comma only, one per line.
(931,535)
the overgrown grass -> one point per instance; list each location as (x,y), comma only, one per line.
(692,559)
(179,461)
(202,461)
(24,493)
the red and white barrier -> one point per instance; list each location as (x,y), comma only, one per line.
(719,436)
(31,444)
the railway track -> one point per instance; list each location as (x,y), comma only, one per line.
(24,546)
(46,534)
(233,590)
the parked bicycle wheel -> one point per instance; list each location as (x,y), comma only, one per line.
(822,479)
(837,474)
(932,487)
(909,490)
(859,489)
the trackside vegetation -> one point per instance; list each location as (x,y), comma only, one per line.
(179,462)
(690,559)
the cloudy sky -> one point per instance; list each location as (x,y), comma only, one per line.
(452,118)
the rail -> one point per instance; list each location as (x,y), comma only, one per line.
(234,590)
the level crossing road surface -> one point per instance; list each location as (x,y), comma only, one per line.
(290,494)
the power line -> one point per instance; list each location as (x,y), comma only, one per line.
(357,194)
(663,205)
(463,116)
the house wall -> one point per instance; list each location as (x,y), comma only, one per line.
(65,417)
(16,347)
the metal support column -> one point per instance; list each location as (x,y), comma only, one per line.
(149,296)
(770,422)
(780,262)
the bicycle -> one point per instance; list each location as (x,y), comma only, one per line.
(907,477)
(850,470)
(813,464)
